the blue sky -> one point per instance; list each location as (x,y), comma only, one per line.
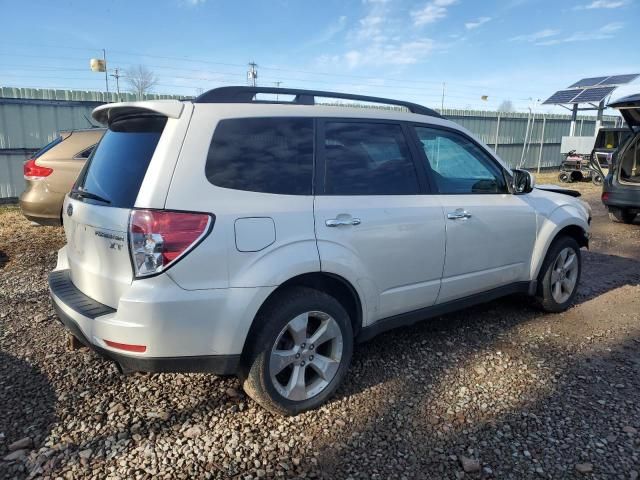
(518,50)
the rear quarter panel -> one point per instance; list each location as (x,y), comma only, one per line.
(217,262)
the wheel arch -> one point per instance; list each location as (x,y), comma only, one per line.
(554,228)
(335,285)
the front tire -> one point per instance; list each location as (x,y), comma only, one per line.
(560,275)
(620,215)
(300,353)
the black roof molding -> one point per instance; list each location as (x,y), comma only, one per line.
(302,97)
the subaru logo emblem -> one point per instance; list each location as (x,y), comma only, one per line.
(69,210)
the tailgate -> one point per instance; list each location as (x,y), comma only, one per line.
(130,168)
(97,249)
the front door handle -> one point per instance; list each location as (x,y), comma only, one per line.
(337,222)
(458,214)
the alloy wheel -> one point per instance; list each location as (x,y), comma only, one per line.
(564,275)
(306,355)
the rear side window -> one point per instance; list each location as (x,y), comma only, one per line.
(84,154)
(268,155)
(368,159)
(119,163)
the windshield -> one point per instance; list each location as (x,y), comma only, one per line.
(118,165)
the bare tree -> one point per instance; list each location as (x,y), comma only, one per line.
(506,106)
(141,80)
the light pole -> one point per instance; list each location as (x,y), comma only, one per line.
(117,76)
(106,77)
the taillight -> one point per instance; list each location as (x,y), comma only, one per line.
(32,171)
(158,238)
(605,196)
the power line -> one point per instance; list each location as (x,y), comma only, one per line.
(301,71)
(228,77)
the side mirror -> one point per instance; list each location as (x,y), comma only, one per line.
(523,181)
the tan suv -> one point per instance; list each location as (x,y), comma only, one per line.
(51,173)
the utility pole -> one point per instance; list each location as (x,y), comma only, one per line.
(252,74)
(106,75)
(117,77)
(277,84)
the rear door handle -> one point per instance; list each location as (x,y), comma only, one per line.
(458,214)
(337,222)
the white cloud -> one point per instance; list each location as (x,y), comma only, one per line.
(596,4)
(405,53)
(533,37)
(381,38)
(432,12)
(372,27)
(603,33)
(477,23)
(193,3)
(329,32)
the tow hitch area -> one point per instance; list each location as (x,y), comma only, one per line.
(73,343)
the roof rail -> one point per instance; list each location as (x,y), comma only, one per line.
(302,97)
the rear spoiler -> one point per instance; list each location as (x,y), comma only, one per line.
(108,112)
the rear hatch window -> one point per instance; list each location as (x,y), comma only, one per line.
(47,147)
(611,139)
(119,163)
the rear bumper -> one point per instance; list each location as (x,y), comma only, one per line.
(41,205)
(85,319)
(621,195)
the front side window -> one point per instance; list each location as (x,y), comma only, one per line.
(268,155)
(368,159)
(458,165)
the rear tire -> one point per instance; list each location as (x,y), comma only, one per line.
(560,275)
(620,215)
(301,352)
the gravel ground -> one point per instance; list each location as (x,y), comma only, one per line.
(496,391)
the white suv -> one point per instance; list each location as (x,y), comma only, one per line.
(262,238)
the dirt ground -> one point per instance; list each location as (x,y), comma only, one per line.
(496,391)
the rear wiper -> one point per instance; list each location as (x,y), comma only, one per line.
(92,196)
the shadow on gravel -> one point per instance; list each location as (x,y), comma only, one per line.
(602,273)
(427,447)
(4,258)
(586,411)
(27,409)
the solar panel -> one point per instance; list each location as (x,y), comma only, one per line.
(593,94)
(621,79)
(588,82)
(563,96)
